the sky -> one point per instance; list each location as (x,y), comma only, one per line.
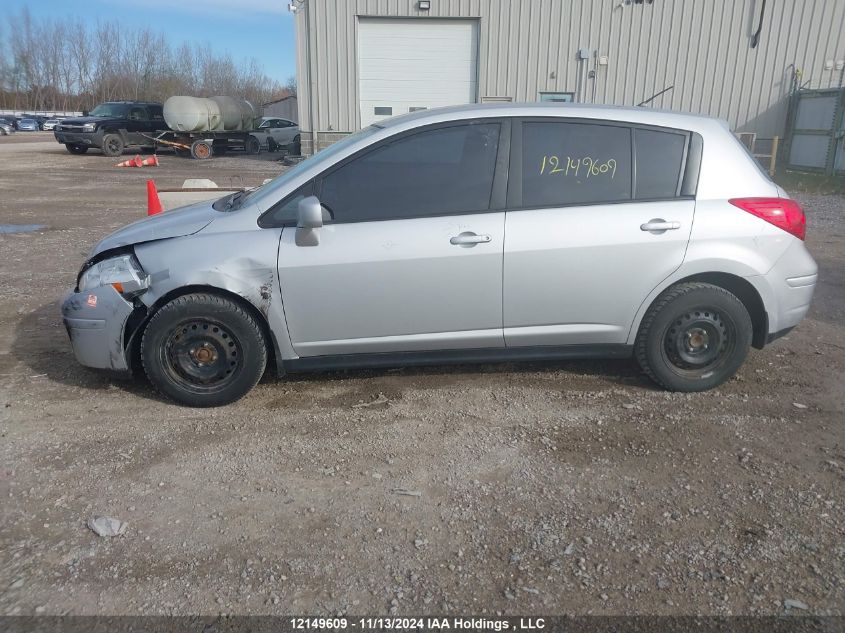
(263,29)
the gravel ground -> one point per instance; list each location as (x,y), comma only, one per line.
(548,488)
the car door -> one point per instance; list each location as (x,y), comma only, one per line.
(411,257)
(283,131)
(598,215)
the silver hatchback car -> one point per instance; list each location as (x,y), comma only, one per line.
(465,234)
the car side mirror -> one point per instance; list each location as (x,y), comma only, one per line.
(311,215)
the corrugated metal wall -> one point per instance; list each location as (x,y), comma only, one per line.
(702,47)
(284,108)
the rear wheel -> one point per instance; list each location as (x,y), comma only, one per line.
(296,146)
(203,350)
(76,149)
(694,337)
(201,150)
(113,145)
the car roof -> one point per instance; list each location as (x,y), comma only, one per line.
(132,102)
(624,114)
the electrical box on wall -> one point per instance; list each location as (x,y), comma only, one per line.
(583,53)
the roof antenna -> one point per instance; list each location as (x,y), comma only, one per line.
(654,96)
(755,39)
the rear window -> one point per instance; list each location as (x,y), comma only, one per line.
(660,157)
(575,163)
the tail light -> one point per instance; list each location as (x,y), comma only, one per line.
(784,213)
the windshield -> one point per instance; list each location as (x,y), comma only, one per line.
(109,109)
(264,124)
(286,176)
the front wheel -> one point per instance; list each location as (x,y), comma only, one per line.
(694,337)
(203,350)
(76,149)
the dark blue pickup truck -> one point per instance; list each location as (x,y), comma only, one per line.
(111,127)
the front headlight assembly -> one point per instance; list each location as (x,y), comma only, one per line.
(89,127)
(123,273)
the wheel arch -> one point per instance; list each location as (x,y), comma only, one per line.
(736,285)
(141,316)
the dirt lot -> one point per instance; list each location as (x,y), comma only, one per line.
(544,488)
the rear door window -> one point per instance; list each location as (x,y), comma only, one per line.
(439,171)
(660,158)
(567,163)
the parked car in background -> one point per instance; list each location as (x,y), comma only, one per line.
(6,128)
(275,134)
(466,234)
(28,125)
(111,127)
(49,124)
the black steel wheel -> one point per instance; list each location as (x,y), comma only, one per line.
(252,145)
(694,337)
(76,149)
(113,145)
(203,350)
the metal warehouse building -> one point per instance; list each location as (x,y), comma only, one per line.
(359,61)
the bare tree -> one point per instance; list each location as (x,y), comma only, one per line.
(61,65)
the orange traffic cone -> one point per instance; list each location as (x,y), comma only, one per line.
(152,161)
(132,162)
(153,203)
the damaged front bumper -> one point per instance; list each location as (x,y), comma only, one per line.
(96,324)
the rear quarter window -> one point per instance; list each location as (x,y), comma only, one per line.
(660,159)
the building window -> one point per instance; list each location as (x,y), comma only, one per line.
(562,97)
(383,111)
(496,99)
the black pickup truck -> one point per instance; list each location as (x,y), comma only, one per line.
(111,127)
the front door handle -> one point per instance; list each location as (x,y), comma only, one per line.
(659,226)
(468,239)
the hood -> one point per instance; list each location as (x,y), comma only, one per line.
(81,120)
(185,221)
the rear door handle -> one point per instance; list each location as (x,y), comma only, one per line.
(468,239)
(659,225)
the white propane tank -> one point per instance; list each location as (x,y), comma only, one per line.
(215,114)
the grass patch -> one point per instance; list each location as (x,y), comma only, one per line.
(810,183)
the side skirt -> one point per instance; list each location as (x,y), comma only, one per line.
(455,357)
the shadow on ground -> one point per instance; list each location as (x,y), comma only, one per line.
(41,344)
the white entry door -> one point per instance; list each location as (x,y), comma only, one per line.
(411,64)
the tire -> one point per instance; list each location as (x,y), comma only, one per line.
(76,149)
(694,337)
(113,145)
(296,146)
(272,145)
(201,150)
(252,145)
(203,350)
